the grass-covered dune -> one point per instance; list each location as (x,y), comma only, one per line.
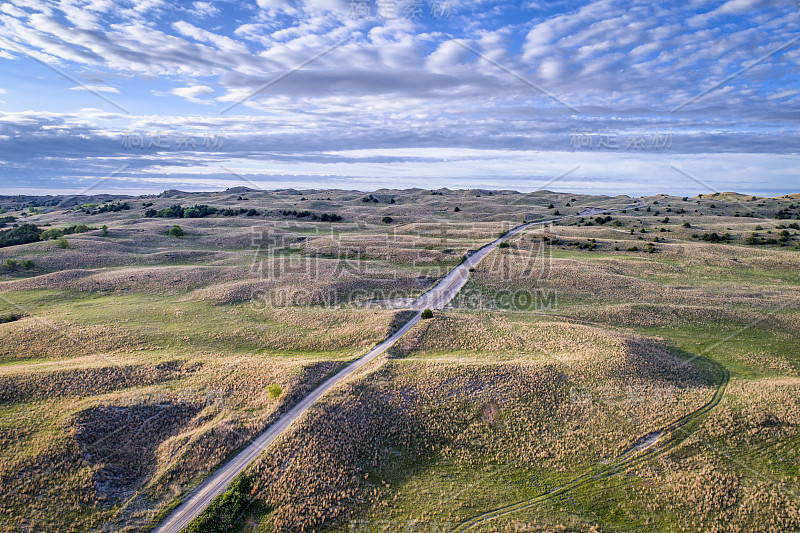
(627,371)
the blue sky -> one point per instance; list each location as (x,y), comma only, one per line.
(610,97)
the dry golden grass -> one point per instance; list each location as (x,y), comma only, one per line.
(551,396)
(126,440)
(153,280)
(738,472)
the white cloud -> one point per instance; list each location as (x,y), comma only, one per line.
(192,92)
(95,88)
(204,9)
(13,10)
(624,65)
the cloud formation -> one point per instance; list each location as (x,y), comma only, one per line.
(313,78)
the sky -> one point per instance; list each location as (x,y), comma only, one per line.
(602,97)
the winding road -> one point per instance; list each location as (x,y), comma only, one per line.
(436,298)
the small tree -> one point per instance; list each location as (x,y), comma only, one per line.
(10,264)
(386,220)
(62,243)
(274,390)
(28,264)
(426,314)
(104,231)
(456,209)
(176,231)
(52,233)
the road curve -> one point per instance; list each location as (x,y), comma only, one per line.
(436,298)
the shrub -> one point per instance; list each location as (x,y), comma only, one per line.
(224,511)
(426,314)
(687,225)
(504,244)
(274,390)
(104,231)
(456,209)
(10,264)
(386,220)
(10,317)
(62,243)
(52,233)
(23,234)
(28,264)
(715,237)
(175,211)
(112,208)
(176,231)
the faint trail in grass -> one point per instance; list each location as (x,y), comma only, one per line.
(653,444)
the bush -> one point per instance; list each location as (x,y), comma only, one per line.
(386,220)
(426,314)
(176,231)
(113,208)
(104,231)
(28,264)
(10,264)
(175,211)
(62,243)
(23,234)
(274,390)
(10,317)
(715,237)
(224,511)
(52,233)
(456,209)
(504,244)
